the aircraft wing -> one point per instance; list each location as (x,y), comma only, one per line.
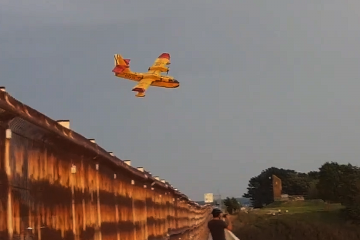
(160,64)
(142,86)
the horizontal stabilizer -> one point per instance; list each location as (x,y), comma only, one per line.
(119,69)
(121,65)
(127,61)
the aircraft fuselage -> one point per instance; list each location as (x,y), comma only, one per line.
(158,80)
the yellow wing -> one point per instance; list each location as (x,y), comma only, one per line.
(142,86)
(160,64)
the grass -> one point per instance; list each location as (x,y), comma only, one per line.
(307,219)
(309,206)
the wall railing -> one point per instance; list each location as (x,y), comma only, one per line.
(56,184)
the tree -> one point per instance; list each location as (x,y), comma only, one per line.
(336,181)
(235,204)
(349,187)
(340,183)
(232,205)
(260,189)
(313,192)
(314,175)
(352,199)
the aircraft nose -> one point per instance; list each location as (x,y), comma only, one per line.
(176,81)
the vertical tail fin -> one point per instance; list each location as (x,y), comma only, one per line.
(121,65)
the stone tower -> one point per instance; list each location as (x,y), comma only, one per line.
(277,187)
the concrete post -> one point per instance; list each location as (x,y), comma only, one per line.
(83,195)
(98,227)
(64,123)
(72,180)
(176,213)
(114,186)
(133,207)
(9,176)
(146,214)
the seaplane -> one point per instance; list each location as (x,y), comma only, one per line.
(153,77)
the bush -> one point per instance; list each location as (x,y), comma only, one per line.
(310,226)
(353,212)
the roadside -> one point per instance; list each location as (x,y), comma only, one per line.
(295,220)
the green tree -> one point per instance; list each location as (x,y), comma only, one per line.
(236,205)
(329,182)
(259,191)
(349,188)
(314,175)
(336,182)
(341,183)
(293,183)
(313,192)
(352,200)
(232,205)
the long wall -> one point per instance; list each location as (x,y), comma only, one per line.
(55,184)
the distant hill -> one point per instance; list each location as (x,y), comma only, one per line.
(243,201)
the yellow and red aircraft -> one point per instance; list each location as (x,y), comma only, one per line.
(152,77)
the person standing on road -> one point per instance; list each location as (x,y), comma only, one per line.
(217,226)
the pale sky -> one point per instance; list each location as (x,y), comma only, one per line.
(262,83)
